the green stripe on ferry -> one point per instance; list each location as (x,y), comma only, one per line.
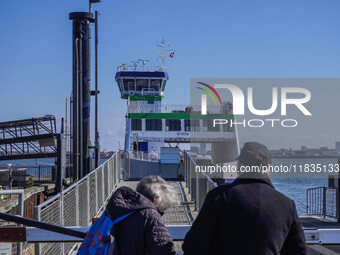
(179,115)
(146,98)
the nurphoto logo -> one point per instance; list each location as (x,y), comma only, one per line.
(238,100)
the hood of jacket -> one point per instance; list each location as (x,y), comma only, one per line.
(126,200)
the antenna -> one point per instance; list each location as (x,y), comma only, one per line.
(143,62)
(163,52)
(135,64)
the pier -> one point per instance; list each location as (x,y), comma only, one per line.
(76,206)
(49,209)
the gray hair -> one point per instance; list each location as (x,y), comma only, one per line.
(156,188)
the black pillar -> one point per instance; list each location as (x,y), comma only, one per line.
(61,161)
(81,92)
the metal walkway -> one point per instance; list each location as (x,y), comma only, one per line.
(75,207)
(29,138)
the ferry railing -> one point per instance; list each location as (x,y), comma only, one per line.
(198,183)
(322,201)
(140,155)
(80,203)
(172,109)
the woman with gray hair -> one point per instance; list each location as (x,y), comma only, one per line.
(158,191)
(143,231)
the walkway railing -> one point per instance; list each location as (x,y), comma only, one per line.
(199,184)
(79,203)
(140,155)
(321,201)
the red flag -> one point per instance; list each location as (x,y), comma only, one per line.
(172,54)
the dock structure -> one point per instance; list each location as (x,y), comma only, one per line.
(75,207)
(33,138)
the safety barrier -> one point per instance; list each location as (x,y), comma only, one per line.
(199,184)
(322,201)
(79,203)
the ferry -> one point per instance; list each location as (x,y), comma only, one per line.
(156,134)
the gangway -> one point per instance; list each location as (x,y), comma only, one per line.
(32,139)
(28,138)
(74,208)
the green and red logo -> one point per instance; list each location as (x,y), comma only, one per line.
(209,93)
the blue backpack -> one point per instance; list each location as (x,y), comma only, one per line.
(98,240)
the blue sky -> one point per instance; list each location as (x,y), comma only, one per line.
(212,39)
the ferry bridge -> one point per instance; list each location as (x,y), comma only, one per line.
(75,207)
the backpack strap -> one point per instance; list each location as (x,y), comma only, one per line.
(98,235)
(116,220)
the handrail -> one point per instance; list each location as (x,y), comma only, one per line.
(199,184)
(214,184)
(57,196)
(322,201)
(79,203)
(129,173)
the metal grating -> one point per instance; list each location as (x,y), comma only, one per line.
(92,196)
(70,208)
(322,201)
(83,204)
(88,195)
(100,186)
(21,139)
(106,179)
(199,184)
(51,214)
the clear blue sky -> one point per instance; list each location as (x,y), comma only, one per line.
(212,39)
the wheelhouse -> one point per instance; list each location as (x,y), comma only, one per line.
(135,83)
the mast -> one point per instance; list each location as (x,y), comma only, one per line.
(163,53)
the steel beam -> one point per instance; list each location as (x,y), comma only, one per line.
(12,234)
(29,156)
(177,233)
(31,138)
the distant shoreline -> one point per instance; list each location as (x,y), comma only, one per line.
(305,156)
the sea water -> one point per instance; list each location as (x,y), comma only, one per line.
(295,185)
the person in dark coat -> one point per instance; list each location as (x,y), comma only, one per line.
(248,216)
(142,232)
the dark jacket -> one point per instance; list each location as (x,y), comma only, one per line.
(142,232)
(246,217)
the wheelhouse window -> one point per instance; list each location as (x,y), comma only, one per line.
(136,124)
(163,86)
(153,125)
(173,125)
(124,84)
(119,81)
(192,125)
(155,85)
(129,84)
(208,125)
(142,84)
